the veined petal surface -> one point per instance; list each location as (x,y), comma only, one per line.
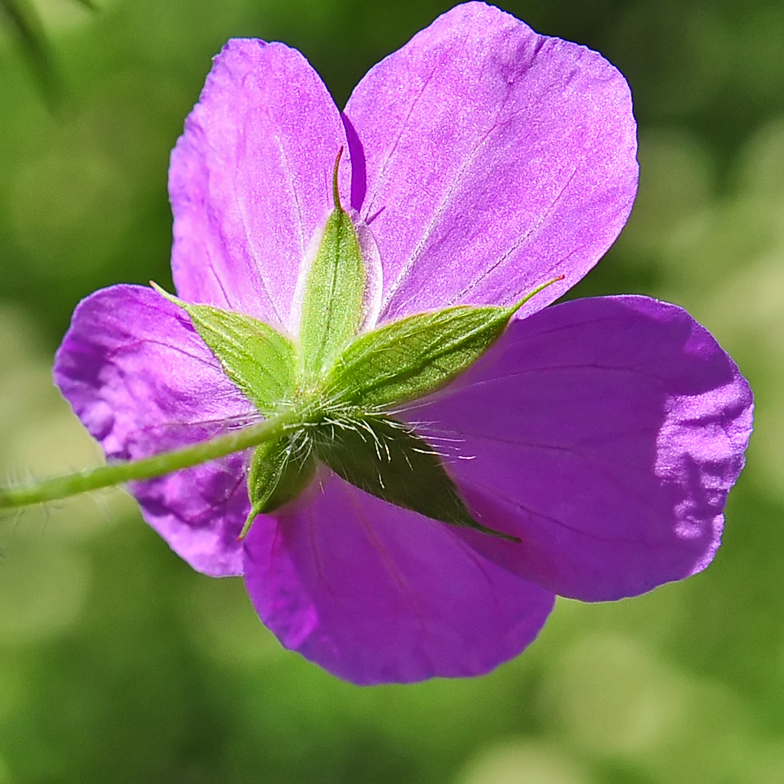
(250,181)
(489,159)
(143,382)
(377,594)
(606,434)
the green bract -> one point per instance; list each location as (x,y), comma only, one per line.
(339,386)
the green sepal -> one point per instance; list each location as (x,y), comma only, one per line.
(415,356)
(383,457)
(333,303)
(279,472)
(258,359)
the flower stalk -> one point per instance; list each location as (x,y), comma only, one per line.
(61,487)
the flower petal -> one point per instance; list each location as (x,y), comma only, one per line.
(606,434)
(376,594)
(250,181)
(495,159)
(142,382)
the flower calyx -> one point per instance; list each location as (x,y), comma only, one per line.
(342,385)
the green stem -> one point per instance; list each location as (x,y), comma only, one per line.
(109,475)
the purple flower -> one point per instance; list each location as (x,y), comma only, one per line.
(484,160)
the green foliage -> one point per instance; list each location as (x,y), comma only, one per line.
(22,20)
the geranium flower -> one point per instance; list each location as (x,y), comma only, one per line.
(600,437)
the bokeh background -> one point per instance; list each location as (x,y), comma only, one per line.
(119,664)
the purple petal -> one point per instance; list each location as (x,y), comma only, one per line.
(250,180)
(376,594)
(142,382)
(494,160)
(606,434)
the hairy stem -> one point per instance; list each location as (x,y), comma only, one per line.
(61,487)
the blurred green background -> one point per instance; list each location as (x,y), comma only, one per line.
(120,664)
